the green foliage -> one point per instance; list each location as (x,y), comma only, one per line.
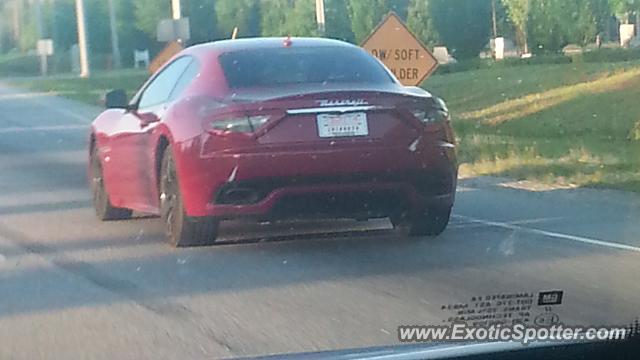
(518,11)
(148,14)
(464,26)
(478,64)
(365,15)
(400,7)
(274,16)
(90,91)
(19,65)
(203,20)
(64,25)
(623,8)
(301,19)
(129,36)
(597,56)
(420,22)
(611,55)
(338,23)
(557,23)
(245,14)
(97,15)
(288,17)
(567,123)
(29,36)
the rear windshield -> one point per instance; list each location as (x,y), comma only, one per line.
(283,66)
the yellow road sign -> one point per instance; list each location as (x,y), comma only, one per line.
(167,53)
(401,51)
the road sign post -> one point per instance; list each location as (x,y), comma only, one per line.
(320,16)
(44,49)
(85,71)
(393,44)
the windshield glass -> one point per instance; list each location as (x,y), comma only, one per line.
(273,67)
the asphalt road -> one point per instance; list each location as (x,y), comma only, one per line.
(72,287)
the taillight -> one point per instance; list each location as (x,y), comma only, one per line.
(242,124)
(437,114)
(431,116)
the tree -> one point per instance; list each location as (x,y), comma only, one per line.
(148,15)
(365,15)
(580,25)
(544,25)
(518,11)
(130,36)
(273,16)
(464,26)
(603,14)
(301,19)
(203,20)
(420,22)
(338,24)
(400,7)
(245,14)
(623,9)
(62,14)
(288,17)
(554,24)
(97,16)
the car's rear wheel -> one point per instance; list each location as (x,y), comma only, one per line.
(101,203)
(181,229)
(432,222)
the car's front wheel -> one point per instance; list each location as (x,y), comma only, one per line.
(101,203)
(432,222)
(181,229)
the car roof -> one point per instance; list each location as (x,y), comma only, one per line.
(224,46)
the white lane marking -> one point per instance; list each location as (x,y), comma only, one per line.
(552,234)
(29,95)
(466,189)
(473,224)
(22,129)
(534,221)
(466,226)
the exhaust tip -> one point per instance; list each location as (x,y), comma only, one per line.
(238,196)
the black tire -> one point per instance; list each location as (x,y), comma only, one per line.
(431,223)
(181,229)
(101,203)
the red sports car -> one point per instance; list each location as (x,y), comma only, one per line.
(269,129)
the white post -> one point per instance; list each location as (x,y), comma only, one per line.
(40,36)
(115,46)
(82,40)
(320,16)
(176,12)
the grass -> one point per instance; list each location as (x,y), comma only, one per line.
(572,124)
(91,90)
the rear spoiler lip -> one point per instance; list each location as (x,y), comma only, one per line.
(336,109)
(269,94)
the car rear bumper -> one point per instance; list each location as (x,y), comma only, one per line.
(357,183)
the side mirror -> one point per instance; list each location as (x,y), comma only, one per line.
(116,99)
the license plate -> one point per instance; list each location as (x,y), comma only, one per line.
(340,125)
